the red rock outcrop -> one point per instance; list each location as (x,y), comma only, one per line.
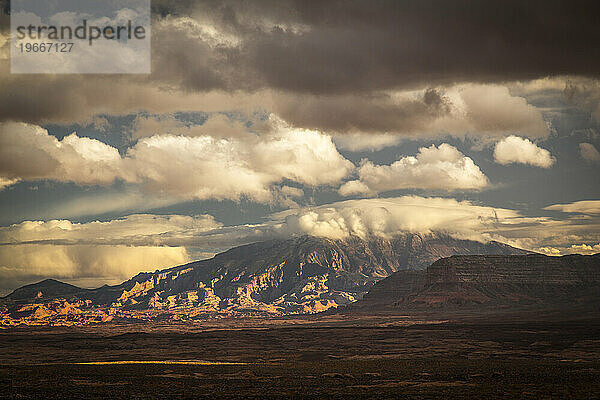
(463,282)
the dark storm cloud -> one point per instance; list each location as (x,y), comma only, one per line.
(364,113)
(334,61)
(334,47)
(353,46)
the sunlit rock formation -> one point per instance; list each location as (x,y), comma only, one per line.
(278,277)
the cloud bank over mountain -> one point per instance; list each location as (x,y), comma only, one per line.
(101,251)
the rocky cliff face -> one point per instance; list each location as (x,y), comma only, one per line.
(489,280)
(298,275)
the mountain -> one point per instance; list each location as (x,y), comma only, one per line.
(299,275)
(470,282)
(48,288)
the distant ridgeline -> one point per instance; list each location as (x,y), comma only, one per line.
(488,281)
(277,277)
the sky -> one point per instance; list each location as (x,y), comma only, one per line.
(269,119)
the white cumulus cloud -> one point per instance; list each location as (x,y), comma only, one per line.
(518,150)
(442,167)
(186,167)
(28,152)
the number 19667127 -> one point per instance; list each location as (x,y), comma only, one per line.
(45,47)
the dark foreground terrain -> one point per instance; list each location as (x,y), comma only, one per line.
(329,357)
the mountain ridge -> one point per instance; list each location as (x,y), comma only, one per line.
(471,282)
(299,275)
